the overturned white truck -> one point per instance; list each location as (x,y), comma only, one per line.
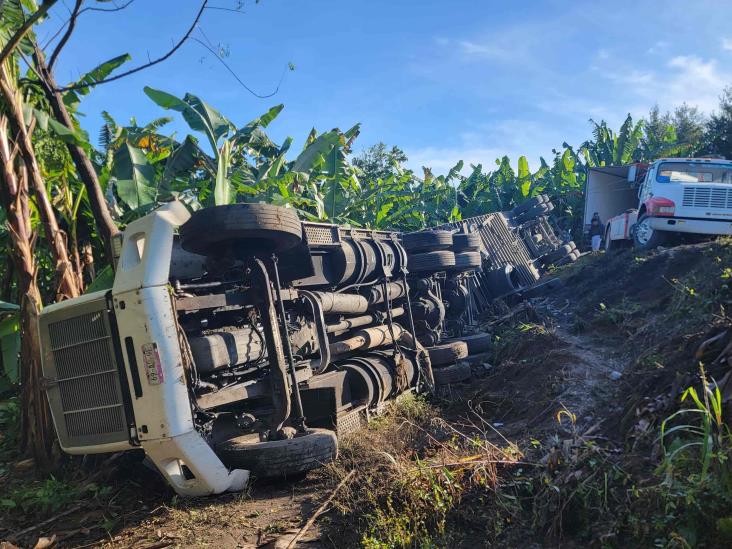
(239,339)
(247,341)
(649,205)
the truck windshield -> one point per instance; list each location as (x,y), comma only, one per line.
(693,172)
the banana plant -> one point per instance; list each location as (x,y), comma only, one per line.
(610,149)
(9,346)
(228,144)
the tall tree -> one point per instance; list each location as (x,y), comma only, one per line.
(379,162)
(658,133)
(688,122)
(105,224)
(718,129)
(37,430)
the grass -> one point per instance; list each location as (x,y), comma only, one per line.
(414,470)
(43,497)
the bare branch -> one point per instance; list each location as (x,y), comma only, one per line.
(104,10)
(72,25)
(231,71)
(235,10)
(81,85)
(116,8)
(23,30)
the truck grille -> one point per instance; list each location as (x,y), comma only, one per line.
(86,396)
(706,197)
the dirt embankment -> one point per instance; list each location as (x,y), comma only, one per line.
(587,384)
(554,443)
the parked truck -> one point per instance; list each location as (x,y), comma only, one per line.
(649,205)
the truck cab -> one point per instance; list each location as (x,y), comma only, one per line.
(648,204)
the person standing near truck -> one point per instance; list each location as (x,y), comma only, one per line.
(596,231)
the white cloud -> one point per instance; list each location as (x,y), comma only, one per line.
(727,44)
(659,47)
(483,144)
(683,79)
(483,50)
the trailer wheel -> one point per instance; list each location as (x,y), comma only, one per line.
(427,241)
(452,374)
(447,353)
(502,281)
(534,212)
(466,242)
(279,458)
(431,261)
(241,229)
(466,261)
(477,343)
(644,237)
(559,253)
(612,245)
(571,257)
(526,205)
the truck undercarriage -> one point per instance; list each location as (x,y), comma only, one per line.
(240,339)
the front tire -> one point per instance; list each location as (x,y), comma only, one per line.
(645,237)
(280,458)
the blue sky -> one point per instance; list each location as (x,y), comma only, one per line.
(443,80)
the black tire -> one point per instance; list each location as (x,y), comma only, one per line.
(609,244)
(447,353)
(431,261)
(502,281)
(526,205)
(537,211)
(567,259)
(467,261)
(427,241)
(560,253)
(477,343)
(466,242)
(456,373)
(241,230)
(279,458)
(645,238)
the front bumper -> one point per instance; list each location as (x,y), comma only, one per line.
(696,226)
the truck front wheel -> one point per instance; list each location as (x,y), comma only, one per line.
(645,237)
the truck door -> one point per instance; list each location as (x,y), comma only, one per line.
(644,190)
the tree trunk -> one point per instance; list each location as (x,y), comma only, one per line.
(36,426)
(105,224)
(68,279)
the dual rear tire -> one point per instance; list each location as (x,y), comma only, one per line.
(241,230)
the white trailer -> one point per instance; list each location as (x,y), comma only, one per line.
(647,204)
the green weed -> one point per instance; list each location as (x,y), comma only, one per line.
(48,496)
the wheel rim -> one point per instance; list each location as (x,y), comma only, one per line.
(643,232)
